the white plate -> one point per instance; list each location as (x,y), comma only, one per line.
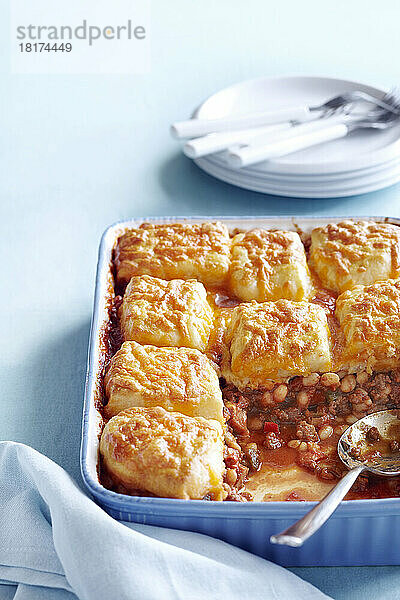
(325,179)
(260,184)
(351,183)
(317,182)
(360,150)
(313,186)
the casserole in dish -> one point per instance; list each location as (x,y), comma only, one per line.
(249,524)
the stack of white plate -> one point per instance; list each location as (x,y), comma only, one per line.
(362,162)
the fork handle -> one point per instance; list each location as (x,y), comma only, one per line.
(300,531)
(198,127)
(252,154)
(216,142)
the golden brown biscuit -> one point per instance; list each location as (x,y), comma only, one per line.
(166,313)
(167,454)
(269,265)
(370,320)
(352,253)
(175,251)
(179,379)
(276,340)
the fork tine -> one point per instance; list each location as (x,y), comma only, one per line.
(392,97)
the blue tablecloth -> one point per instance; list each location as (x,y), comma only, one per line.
(81,152)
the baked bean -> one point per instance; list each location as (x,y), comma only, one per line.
(280,393)
(231,476)
(330,380)
(293,443)
(325,432)
(362,377)
(231,442)
(348,384)
(311,380)
(302,399)
(266,399)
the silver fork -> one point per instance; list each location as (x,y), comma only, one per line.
(337,103)
(390,101)
(377,118)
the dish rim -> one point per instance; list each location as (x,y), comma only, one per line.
(199,508)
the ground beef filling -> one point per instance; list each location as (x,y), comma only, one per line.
(308,414)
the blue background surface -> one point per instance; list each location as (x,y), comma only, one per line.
(80,152)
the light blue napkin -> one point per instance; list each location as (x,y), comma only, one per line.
(57,544)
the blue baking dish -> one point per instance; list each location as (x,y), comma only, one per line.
(360,532)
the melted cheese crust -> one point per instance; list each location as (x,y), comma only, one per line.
(352,253)
(370,320)
(166,454)
(276,340)
(269,265)
(175,251)
(166,313)
(178,379)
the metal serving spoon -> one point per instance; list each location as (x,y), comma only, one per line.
(352,439)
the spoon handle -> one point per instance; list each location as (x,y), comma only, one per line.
(301,138)
(300,531)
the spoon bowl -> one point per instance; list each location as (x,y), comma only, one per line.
(387,422)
